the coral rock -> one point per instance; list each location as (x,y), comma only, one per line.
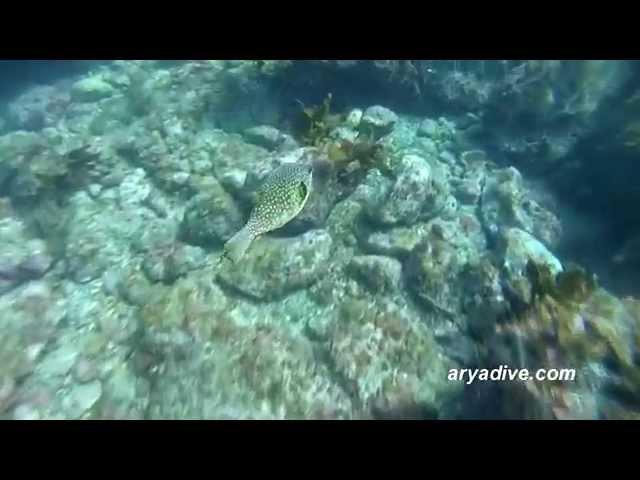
(519,247)
(506,202)
(275,267)
(390,361)
(211,219)
(377,121)
(91,89)
(419,193)
(378,273)
(264,136)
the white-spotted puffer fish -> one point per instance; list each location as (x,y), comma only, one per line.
(279,200)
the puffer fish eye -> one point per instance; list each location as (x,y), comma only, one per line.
(302,188)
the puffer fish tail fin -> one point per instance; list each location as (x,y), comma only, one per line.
(237,245)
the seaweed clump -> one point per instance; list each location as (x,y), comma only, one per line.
(364,152)
(316,122)
(350,152)
(570,323)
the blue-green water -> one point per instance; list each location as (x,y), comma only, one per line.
(467,244)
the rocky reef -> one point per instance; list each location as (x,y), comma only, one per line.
(420,250)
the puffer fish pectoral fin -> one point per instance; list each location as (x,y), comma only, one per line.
(237,245)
